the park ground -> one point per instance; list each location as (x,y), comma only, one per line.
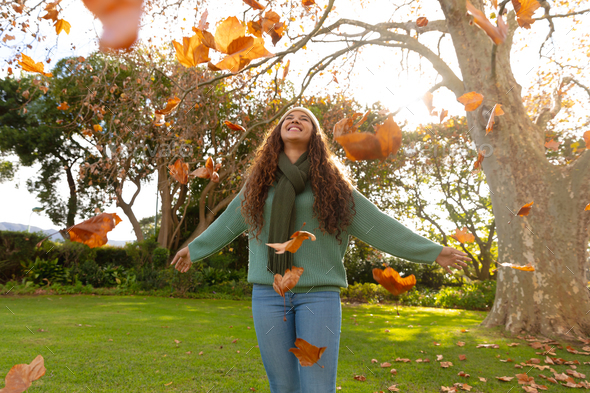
(94,343)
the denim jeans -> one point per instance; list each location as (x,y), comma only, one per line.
(315,317)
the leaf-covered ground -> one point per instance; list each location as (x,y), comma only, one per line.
(136,344)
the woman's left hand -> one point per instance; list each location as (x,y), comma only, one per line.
(453,258)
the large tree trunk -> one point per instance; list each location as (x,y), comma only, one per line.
(72,200)
(553,300)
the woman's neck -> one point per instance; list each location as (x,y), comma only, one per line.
(293,152)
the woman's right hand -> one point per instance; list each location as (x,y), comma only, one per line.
(182,260)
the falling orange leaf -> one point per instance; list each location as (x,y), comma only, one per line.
(286,69)
(367,146)
(171,104)
(471,100)
(553,145)
(283,283)
(428,98)
(20,376)
(496,33)
(63,106)
(97,127)
(62,25)
(29,64)
(192,51)
(292,245)
(208,171)
(525,209)
(392,281)
(443,114)
(235,127)
(496,111)
(587,139)
(307,353)
(524,12)
(527,268)
(477,164)
(421,21)
(463,236)
(120,21)
(254,4)
(179,171)
(93,232)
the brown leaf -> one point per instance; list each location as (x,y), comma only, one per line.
(390,279)
(524,12)
(421,21)
(462,357)
(254,4)
(496,111)
(208,171)
(120,21)
(191,52)
(471,100)
(307,353)
(505,379)
(368,146)
(496,33)
(463,236)
(283,283)
(20,376)
(93,232)
(292,245)
(179,171)
(235,127)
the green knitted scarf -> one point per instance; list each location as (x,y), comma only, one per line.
(291,179)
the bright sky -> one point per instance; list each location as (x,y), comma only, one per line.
(377,77)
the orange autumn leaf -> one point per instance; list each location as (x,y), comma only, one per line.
(235,127)
(254,4)
(392,281)
(427,98)
(587,139)
(93,232)
(307,353)
(347,125)
(308,3)
(471,100)
(206,38)
(228,31)
(283,283)
(29,64)
(421,21)
(63,106)
(462,236)
(524,12)
(62,25)
(496,33)
(286,70)
(120,21)
(443,114)
(191,52)
(525,209)
(367,146)
(587,207)
(292,245)
(496,111)
(51,11)
(553,145)
(97,127)
(208,171)
(171,104)
(527,268)
(179,171)
(20,376)
(477,164)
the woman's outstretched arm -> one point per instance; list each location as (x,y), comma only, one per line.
(387,234)
(229,225)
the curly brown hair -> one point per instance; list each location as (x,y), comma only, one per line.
(332,188)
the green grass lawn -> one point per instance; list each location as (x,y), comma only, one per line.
(127,344)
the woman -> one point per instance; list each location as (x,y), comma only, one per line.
(293,180)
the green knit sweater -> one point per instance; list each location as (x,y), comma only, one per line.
(322,258)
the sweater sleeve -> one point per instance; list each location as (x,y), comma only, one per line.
(229,225)
(387,234)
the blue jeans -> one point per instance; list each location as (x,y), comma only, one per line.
(315,317)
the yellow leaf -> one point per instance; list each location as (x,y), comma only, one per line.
(62,25)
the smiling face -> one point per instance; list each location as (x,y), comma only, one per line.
(297,128)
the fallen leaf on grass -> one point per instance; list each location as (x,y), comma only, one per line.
(20,376)
(505,379)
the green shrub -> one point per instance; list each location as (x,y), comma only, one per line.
(43,272)
(160,256)
(115,256)
(17,247)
